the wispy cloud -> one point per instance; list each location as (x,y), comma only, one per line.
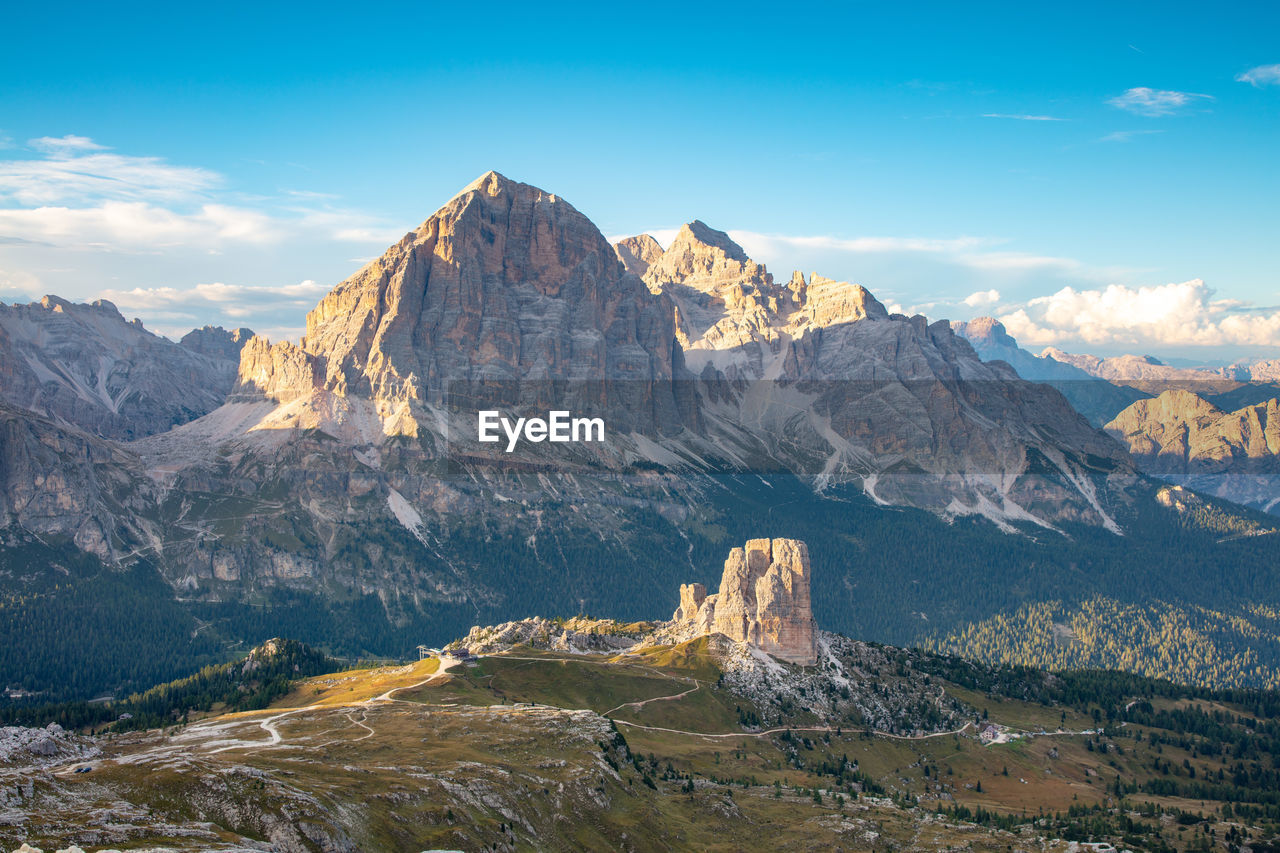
(1261,75)
(1181,314)
(79,194)
(1126,135)
(77,217)
(762,243)
(1153,103)
(119,226)
(274,311)
(76,169)
(1022,117)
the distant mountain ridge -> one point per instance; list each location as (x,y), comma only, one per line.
(1091,395)
(86,366)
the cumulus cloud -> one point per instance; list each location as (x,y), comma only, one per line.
(84,221)
(1261,75)
(1153,103)
(1182,314)
(982,298)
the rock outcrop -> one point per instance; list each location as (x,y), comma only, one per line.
(763,600)
(843,391)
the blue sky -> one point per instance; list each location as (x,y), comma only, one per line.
(957,159)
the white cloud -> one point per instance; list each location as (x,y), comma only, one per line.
(1150,102)
(64,145)
(77,194)
(1022,117)
(138,226)
(76,169)
(274,311)
(766,243)
(1182,314)
(1261,75)
(1126,135)
(982,298)
(1021,262)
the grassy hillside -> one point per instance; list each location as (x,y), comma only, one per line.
(532,749)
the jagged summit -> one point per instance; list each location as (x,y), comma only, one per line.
(700,232)
(638,253)
(984,332)
(505,283)
(493,184)
(704,258)
(85,365)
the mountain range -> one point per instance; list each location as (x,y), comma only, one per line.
(334,489)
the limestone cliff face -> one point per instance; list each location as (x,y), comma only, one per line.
(1184,438)
(503,292)
(86,366)
(62,481)
(280,373)
(763,600)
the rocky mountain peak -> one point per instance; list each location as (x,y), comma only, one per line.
(763,600)
(505,283)
(217,342)
(701,234)
(706,259)
(638,253)
(984,332)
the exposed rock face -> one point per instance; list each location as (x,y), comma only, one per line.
(1263,370)
(60,480)
(85,365)
(578,635)
(763,600)
(504,291)
(1097,399)
(280,373)
(1184,438)
(903,406)
(729,311)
